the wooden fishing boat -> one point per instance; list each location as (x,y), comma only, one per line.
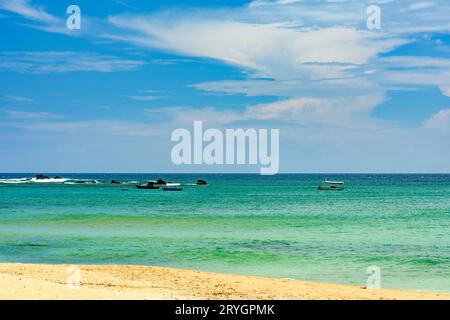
(149,185)
(332,186)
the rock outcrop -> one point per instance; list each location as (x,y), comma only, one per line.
(201,182)
(41,176)
(161,181)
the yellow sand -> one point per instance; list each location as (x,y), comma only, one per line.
(30,281)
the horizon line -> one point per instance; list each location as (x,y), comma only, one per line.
(211,173)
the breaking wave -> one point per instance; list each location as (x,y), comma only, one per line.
(33,180)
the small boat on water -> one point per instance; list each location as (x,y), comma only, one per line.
(161,182)
(172,184)
(172,189)
(335,188)
(149,185)
(332,186)
(334,182)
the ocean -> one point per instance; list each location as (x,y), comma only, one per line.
(277,226)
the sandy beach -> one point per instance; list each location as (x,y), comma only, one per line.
(31,281)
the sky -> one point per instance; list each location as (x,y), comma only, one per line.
(106,98)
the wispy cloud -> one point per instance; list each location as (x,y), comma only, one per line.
(440,120)
(260,3)
(37,16)
(31,116)
(422,5)
(15,98)
(64,61)
(146,98)
(93,128)
(125,4)
(445,90)
(27,10)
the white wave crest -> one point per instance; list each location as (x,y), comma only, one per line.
(33,180)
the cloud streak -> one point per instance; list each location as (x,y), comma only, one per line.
(64,61)
(440,120)
(15,98)
(28,11)
(31,116)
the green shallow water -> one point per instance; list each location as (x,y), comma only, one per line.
(277,226)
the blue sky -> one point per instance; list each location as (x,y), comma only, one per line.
(106,98)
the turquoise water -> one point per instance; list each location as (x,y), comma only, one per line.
(279,226)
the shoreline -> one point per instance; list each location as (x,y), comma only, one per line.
(123,282)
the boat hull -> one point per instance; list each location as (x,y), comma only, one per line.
(330,188)
(147,187)
(172,189)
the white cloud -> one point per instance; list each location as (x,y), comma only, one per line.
(445,90)
(339,66)
(292,88)
(341,111)
(64,61)
(421,5)
(302,109)
(39,18)
(416,62)
(440,120)
(270,50)
(425,77)
(338,112)
(27,10)
(415,70)
(145,98)
(260,3)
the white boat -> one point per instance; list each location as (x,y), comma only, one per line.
(332,185)
(334,182)
(173,184)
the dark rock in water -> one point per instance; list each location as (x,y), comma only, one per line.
(41,176)
(57,177)
(161,181)
(201,182)
(115,182)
